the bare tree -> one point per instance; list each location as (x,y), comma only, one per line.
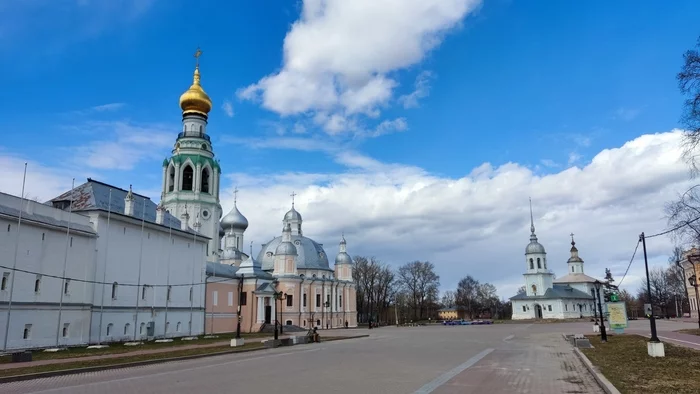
(684,216)
(661,293)
(419,280)
(522,290)
(689,84)
(468,294)
(448,299)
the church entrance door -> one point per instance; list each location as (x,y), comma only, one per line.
(538,311)
(268,314)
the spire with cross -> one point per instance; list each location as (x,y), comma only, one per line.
(197,54)
(235,195)
(293,195)
(572,239)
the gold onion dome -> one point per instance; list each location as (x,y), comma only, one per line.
(195,99)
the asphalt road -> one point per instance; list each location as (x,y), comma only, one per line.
(507,358)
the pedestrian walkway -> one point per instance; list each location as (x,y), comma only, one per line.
(538,363)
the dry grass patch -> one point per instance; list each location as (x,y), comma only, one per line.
(691,331)
(126,359)
(625,362)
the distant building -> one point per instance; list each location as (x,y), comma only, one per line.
(451,314)
(691,267)
(545,298)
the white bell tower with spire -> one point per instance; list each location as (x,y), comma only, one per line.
(191,175)
(538,279)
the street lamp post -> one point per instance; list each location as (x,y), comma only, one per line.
(652,320)
(603,333)
(240,295)
(694,282)
(595,310)
(280,297)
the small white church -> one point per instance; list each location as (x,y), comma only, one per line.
(545,297)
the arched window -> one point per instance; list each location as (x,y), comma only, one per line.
(288,322)
(532,264)
(142,328)
(178,327)
(3,285)
(544,261)
(187,178)
(534,289)
(200,128)
(167,327)
(126,328)
(115,285)
(318,322)
(539,263)
(205,180)
(109,329)
(37,285)
(65,330)
(171,178)
(9,226)
(304,323)
(572,269)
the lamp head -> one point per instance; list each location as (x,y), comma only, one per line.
(693,281)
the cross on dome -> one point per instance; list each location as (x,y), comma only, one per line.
(235,195)
(293,195)
(197,54)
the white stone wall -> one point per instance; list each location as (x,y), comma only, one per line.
(42,248)
(178,257)
(560,309)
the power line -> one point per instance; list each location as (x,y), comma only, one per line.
(630,263)
(673,229)
(109,283)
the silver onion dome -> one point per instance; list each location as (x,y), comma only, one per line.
(292,214)
(234,219)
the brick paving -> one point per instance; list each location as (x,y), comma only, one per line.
(537,364)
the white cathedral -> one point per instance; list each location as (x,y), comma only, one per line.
(101,264)
(569,297)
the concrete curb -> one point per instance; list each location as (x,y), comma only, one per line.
(603,382)
(60,372)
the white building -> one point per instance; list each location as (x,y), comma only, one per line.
(42,248)
(546,298)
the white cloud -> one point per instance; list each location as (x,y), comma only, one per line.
(627,114)
(108,107)
(549,163)
(475,224)
(574,157)
(339,56)
(227,107)
(390,126)
(422,89)
(120,145)
(478,224)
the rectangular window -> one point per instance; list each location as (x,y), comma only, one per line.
(37,284)
(549,308)
(244,298)
(215,297)
(115,285)
(340,300)
(5,281)
(143,292)
(170,290)
(304,300)
(66,287)
(230,298)
(191,293)
(290,300)
(318,300)
(27,331)
(566,307)
(524,310)
(66,326)
(328,299)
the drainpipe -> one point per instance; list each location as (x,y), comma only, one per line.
(301,297)
(255,286)
(206,291)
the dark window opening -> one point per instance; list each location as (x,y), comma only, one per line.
(318,300)
(187,178)
(244,298)
(171,179)
(290,300)
(205,180)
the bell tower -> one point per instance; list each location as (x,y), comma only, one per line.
(191,175)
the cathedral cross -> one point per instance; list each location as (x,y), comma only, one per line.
(572,237)
(235,195)
(197,54)
(293,195)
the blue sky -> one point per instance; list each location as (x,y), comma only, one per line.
(91,89)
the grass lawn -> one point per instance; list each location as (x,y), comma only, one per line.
(624,361)
(692,331)
(118,348)
(126,359)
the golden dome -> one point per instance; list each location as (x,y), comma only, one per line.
(195,99)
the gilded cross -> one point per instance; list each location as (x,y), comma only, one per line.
(197,54)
